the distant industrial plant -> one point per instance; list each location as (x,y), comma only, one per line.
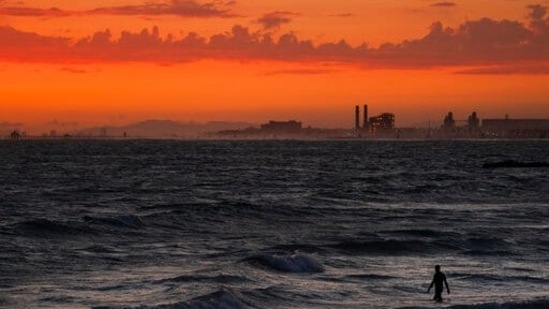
(382,123)
(495,128)
(384,126)
(379,126)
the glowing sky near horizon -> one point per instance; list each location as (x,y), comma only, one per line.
(70,64)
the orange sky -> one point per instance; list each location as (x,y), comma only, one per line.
(73,64)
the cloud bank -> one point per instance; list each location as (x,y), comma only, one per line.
(474,43)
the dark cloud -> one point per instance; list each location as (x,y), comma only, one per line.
(473,41)
(508,70)
(184,8)
(33,12)
(300,72)
(345,15)
(484,42)
(538,12)
(17,45)
(73,70)
(538,20)
(444,4)
(275,19)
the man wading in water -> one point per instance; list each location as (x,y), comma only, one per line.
(438,279)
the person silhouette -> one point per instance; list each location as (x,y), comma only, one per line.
(438,279)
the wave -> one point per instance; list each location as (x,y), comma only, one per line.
(369,277)
(124,221)
(418,232)
(426,244)
(515,164)
(496,278)
(532,304)
(45,227)
(293,263)
(214,279)
(100,249)
(296,248)
(216,300)
(480,246)
(489,253)
(487,242)
(426,233)
(392,247)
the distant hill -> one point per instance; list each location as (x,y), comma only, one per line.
(154,128)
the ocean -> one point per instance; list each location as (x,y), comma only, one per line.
(272,224)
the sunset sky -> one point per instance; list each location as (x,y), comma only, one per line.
(71,64)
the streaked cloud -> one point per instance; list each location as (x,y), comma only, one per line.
(344,15)
(274,20)
(301,72)
(183,8)
(186,8)
(73,70)
(33,12)
(16,45)
(444,4)
(530,69)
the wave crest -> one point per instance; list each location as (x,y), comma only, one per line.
(216,300)
(44,227)
(384,246)
(125,221)
(294,263)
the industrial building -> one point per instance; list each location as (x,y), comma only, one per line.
(494,128)
(383,126)
(384,122)
(450,124)
(516,128)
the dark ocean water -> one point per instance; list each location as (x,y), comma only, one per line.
(272,224)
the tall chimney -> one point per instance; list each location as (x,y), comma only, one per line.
(365,124)
(357,117)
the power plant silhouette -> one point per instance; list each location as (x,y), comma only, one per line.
(380,126)
(382,123)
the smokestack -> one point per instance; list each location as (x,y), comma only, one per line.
(365,124)
(357,117)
